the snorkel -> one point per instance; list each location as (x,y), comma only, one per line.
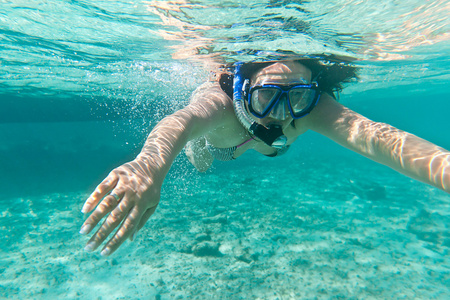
(273,135)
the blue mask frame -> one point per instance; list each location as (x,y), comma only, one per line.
(280,91)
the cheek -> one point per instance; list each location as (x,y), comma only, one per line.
(287,122)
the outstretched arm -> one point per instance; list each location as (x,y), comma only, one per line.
(131,192)
(402,151)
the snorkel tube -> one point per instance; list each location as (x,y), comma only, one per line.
(272,136)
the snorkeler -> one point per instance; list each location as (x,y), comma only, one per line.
(262,106)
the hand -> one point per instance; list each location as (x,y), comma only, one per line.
(129,196)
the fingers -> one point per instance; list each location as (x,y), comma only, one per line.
(124,210)
(111,222)
(134,221)
(143,220)
(125,230)
(102,189)
(145,217)
(106,206)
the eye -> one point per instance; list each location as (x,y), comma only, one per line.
(301,98)
(261,98)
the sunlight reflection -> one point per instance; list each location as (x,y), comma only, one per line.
(199,34)
(189,35)
(425,25)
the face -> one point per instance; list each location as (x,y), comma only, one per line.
(282,74)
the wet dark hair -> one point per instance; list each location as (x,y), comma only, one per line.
(329,71)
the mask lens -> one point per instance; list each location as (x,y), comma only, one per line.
(301,99)
(262,98)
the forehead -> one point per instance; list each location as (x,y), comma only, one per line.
(282,72)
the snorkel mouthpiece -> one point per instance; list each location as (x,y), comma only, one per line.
(280,142)
(272,135)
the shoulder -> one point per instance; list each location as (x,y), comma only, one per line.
(326,112)
(337,122)
(210,91)
(210,102)
(325,108)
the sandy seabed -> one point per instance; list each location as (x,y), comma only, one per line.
(243,233)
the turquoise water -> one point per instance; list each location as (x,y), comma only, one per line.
(81,84)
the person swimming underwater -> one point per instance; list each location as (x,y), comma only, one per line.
(263,106)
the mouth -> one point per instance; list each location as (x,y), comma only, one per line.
(272,124)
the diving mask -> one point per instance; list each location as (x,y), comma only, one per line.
(278,100)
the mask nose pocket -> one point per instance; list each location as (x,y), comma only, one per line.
(281,110)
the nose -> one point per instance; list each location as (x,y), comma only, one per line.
(280,111)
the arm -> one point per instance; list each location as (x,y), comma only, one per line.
(135,186)
(402,151)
